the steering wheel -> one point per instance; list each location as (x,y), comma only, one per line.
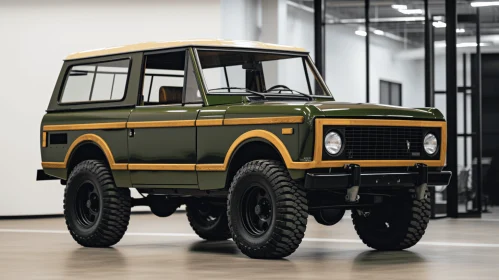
(279,86)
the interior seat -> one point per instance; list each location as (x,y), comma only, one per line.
(170,95)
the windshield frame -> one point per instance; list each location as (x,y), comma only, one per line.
(305,56)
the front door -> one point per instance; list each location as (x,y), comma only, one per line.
(161,130)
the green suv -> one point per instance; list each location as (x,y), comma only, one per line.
(246,135)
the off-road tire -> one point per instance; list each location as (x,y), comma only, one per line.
(114,205)
(290,210)
(406,216)
(216,230)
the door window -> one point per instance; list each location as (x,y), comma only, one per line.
(167,80)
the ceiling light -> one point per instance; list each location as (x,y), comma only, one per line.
(412,12)
(399,7)
(361,33)
(460,30)
(439,24)
(461,45)
(469,44)
(484,4)
(379,32)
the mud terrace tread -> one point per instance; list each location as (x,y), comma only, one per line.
(291,206)
(116,207)
(418,217)
(218,233)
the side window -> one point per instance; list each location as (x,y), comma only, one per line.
(96,82)
(165,77)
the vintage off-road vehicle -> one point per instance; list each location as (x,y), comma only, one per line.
(246,135)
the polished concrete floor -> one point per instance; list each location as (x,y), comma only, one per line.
(167,249)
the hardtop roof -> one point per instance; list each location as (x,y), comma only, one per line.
(187,43)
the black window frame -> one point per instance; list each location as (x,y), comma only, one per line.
(390,83)
(184,86)
(68,70)
(317,78)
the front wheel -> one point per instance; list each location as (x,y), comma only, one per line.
(396,224)
(267,210)
(97,212)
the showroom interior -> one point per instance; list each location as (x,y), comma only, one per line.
(416,54)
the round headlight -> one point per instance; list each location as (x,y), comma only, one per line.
(333,143)
(430,144)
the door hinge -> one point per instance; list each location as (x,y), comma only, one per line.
(131,132)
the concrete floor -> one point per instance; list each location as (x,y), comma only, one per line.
(168,249)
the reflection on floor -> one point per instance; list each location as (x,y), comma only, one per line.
(168,249)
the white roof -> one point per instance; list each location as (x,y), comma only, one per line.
(175,44)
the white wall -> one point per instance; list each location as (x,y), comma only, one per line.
(241,19)
(36,36)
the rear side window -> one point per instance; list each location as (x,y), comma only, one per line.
(96,82)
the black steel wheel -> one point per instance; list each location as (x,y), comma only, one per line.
(267,210)
(209,221)
(87,206)
(97,212)
(256,210)
(397,224)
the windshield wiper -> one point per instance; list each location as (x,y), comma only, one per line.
(281,88)
(310,98)
(240,88)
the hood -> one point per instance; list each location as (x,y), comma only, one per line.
(331,109)
(345,109)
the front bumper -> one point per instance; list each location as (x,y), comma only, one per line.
(353,176)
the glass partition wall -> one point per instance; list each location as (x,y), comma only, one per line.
(374,47)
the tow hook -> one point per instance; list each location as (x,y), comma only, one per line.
(422,183)
(353,189)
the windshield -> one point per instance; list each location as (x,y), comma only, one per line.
(258,73)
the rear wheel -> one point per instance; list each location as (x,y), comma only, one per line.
(267,210)
(97,212)
(208,221)
(396,224)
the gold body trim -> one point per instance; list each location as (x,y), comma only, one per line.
(91,138)
(55,165)
(164,167)
(319,135)
(287,131)
(157,124)
(272,138)
(265,120)
(213,122)
(176,123)
(262,134)
(44,139)
(85,126)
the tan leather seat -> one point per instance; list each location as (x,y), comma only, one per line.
(170,95)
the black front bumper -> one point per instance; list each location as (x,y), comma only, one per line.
(353,176)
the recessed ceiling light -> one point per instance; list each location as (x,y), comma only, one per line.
(399,7)
(470,44)
(412,11)
(461,45)
(361,33)
(439,24)
(484,4)
(379,32)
